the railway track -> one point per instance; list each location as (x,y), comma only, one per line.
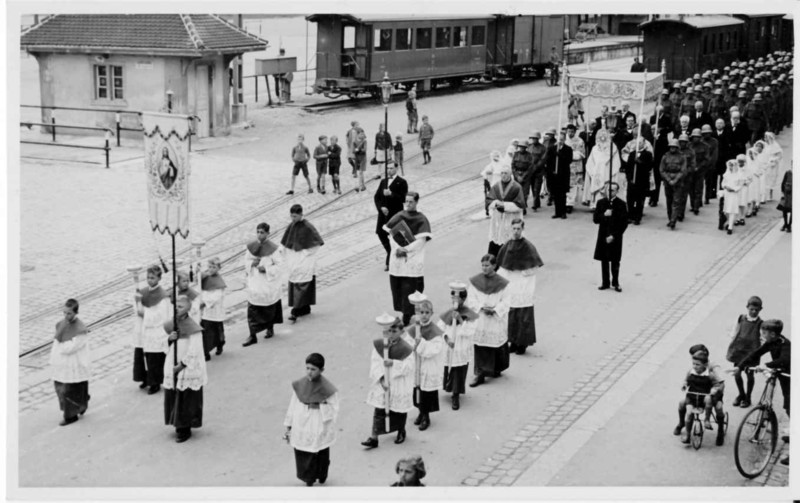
(275,210)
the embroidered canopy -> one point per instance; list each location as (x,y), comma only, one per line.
(617,85)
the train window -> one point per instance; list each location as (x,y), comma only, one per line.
(424,38)
(728,40)
(705,44)
(383,40)
(460,33)
(774,28)
(443,36)
(478,35)
(403,39)
(349,41)
(763,29)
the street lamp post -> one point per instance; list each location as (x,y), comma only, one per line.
(386,96)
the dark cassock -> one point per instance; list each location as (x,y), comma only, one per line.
(156,309)
(612,226)
(637,167)
(70,367)
(264,306)
(393,203)
(428,369)
(409,233)
(183,400)
(401,385)
(557,166)
(212,318)
(460,348)
(311,416)
(517,262)
(506,203)
(302,242)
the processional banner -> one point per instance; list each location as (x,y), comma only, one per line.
(166,163)
(617,86)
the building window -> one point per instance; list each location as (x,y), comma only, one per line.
(423,38)
(705,44)
(108,82)
(728,40)
(443,37)
(403,39)
(461,36)
(763,29)
(478,35)
(349,41)
(383,40)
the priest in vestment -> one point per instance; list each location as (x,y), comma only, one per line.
(506,203)
(183,399)
(264,269)
(70,364)
(597,172)
(154,309)
(400,368)
(486,295)
(301,243)
(517,262)
(426,338)
(409,232)
(212,307)
(311,421)
(458,324)
(575,168)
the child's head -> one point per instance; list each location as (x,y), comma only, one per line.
(153,275)
(770,330)
(424,310)
(398,137)
(699,362)
(697,348)
(323,139)
(754,306)
(424,118)
(300,138)
(334,140)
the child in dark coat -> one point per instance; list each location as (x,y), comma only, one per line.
(745,339)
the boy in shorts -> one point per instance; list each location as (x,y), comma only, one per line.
(425,138)
(398,154)
(321,155)
(300,156)
(701,380)
(334,163)
(714,400)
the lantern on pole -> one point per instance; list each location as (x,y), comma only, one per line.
(386,97)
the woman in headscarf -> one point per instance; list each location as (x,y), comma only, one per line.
(597,168)
(311,421)
(70,364)
(263,267)
(491,175)
(731,185)
(300,243)
(183,383)
(774,156)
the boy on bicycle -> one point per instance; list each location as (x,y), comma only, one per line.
(701,381)
(780,348)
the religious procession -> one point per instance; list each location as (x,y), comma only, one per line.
(335,313)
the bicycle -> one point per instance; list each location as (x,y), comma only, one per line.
(757,435)
(698,429)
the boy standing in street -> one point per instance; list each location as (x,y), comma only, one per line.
(321,155)
(425,138)
(300,155)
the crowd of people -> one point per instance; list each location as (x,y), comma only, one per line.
(707,154)
(713,136)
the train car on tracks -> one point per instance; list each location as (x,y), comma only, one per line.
(355,52)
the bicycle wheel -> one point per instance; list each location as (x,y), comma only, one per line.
(756,439)
(696,435)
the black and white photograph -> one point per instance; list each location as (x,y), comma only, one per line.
(520,250)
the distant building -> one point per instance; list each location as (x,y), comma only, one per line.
(109,62)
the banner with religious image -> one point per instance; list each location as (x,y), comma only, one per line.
(166,164)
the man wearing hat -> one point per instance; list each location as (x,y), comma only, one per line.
(611,216)
(665,102)
(712,168)
(391,376)
(673,172)
(739,135)
(557,164)
(699,116)
(716,106)
(522,167)
(637,165)
(730,97)
(769,105)
(662,124)
(756,117)
(676,97)
(702,156)
(687,103)
(691,170)
(505,204)
(538,151)
(578,147)
(707,94)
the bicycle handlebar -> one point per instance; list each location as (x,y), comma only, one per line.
(762,370)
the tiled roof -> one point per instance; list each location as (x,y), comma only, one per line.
(162,33)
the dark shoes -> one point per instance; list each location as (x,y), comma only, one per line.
(745,403)
(143,385)
(730,231)
(153,390)
(457,403)
(677,430)
(603,287)
(250,341)
(289,193)
(270,334)
(219,350)
(370,442)
(401,437)
(208,357)
(67,421)
(293,318)
(418,420)
(477,381)
(617,288)
(785,461)
(424,424)
(720,435)
(183,437)
(737,401)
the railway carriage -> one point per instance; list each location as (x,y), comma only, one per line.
(354,53)
(761,34)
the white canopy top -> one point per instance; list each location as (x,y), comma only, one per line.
(617,85)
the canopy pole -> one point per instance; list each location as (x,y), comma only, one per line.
(641,116)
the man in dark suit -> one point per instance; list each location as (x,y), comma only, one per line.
(699,117)
(626,133)
(611,215)
(389,200)
(660,145)
(637,165)
(557,161)
(739,136)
